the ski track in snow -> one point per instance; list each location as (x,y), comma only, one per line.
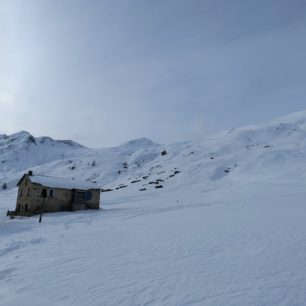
(227,228)
(148,251)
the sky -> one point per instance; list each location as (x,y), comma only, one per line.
(105,72)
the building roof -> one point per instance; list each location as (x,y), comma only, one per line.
(56,182)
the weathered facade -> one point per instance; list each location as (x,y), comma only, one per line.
(38,194)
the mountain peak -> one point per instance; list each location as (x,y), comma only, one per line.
(139,143)
(19,137)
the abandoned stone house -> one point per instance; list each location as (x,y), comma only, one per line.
(39,193)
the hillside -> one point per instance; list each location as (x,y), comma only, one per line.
(227,227)
(274,151)
(22,151)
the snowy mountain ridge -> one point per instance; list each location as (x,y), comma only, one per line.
(22,150)
(216,222)
(272,151)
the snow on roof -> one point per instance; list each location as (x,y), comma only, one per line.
(56,182)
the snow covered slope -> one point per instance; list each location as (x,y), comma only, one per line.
(227,227)
(274,151)
(21,151)
(239,245)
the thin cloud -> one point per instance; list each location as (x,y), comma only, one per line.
(105,72)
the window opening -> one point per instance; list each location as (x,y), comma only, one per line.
(87,195)
(44,193)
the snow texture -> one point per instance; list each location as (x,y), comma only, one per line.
(55,182)
(227,228)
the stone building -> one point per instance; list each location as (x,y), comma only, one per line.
(38,193)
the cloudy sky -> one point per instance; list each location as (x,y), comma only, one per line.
(104,72)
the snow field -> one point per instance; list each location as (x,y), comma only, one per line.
(229,248)
(227,228)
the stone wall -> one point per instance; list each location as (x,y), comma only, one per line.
(30,200)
